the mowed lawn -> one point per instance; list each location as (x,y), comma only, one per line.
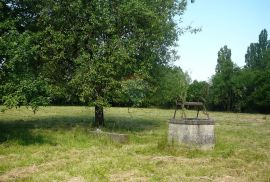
(55,145)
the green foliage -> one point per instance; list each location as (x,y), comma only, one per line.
(21,82)
(172,85)
(260,97)
(84,50)
(257,63)
(124,43)
(222,89)
(198,91)
(224,63)
(133,92)
(27,92)
(255,52)
(246,89)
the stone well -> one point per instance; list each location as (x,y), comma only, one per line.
(196,131)
(192,131)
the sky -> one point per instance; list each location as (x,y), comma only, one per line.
(235,23)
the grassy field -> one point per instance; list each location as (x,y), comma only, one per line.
(56,145)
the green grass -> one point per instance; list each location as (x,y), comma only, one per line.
(56,145)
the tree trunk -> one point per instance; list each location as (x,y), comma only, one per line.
(99,116)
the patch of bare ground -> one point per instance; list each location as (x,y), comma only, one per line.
(127,176)
(16,173)
(174,159)
(202,178)
(24,172)
(237,175)
(228,179)
(76,179)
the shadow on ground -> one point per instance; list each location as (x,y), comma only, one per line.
(22,131)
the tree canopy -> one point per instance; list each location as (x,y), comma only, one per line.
(82,51)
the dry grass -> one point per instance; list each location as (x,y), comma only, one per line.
(56,145)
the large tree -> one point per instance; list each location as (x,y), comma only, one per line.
(82,48)
(130,38)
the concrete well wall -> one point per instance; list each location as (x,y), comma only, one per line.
(195,132)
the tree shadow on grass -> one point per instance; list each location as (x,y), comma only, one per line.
(126,124)
(22,135)
(27,132)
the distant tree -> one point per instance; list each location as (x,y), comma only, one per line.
(257,67)
(198,91)
(263,40)
(222,92)
(266,57)
(255,52)
(259,97)
(241,90)
(224,62)
(133,93)
(172,86)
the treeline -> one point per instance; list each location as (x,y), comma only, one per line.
(238,89)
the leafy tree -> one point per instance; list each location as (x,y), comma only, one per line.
(255,52)
(266,57)
(21,82)
(81,48)
(168,85)
(222,92)
(172,85)
(224,63)
(257,65)
(133,93)
(259,96)
(198,91)
(242,85)
(124,43)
